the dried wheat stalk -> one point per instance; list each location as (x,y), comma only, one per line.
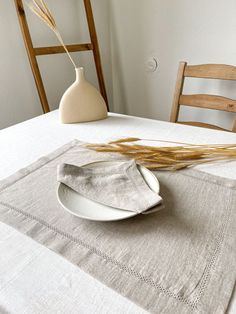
(168,158)
(40,8)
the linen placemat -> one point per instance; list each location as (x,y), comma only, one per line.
(178,260)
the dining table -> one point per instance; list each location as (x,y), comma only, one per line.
(33,278)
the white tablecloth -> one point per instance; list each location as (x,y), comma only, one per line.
(36,280)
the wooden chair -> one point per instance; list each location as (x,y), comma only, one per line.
(205,71)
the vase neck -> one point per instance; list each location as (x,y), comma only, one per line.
(79,75)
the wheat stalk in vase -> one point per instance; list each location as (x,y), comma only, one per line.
(40,8)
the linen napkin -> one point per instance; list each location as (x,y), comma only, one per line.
(120,185)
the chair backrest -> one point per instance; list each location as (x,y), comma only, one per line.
(205,71)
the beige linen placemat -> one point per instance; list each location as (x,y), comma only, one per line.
(179,260)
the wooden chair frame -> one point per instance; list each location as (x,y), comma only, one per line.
(205,71)
(39,51)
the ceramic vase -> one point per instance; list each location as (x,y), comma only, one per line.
(82,102)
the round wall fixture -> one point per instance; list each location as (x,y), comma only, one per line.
(151,65)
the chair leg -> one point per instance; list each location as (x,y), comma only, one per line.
(234,126)
(178,91)
(31,55)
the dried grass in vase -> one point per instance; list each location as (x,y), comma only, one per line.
(168,158)
(40,8)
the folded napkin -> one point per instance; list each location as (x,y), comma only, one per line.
(120,185)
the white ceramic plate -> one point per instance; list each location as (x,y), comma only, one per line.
(84,208)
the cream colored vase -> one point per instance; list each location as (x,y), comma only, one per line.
(82,102)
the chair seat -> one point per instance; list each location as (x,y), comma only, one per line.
(202,125)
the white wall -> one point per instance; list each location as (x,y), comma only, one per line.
(200,31)
(18,95)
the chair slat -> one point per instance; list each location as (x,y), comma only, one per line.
(211,71)
(202,125)
(40,51)
(209,102)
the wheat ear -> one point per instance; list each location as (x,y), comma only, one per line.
(40,8)
(168,157)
